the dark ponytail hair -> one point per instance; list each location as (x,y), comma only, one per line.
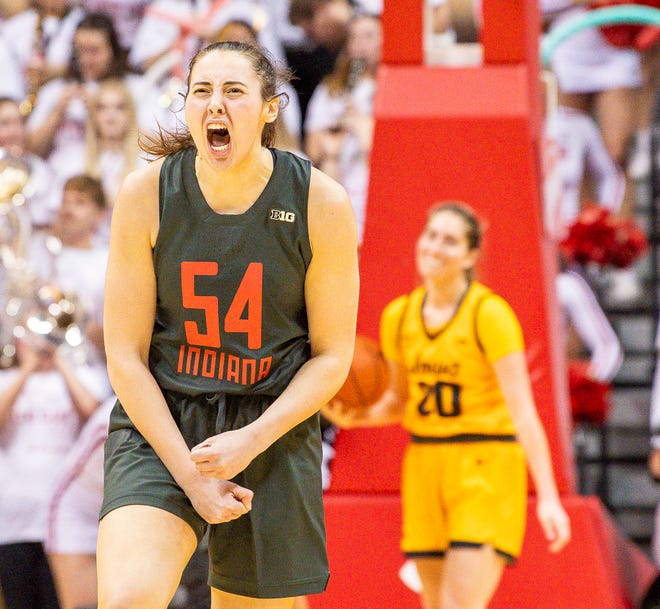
(164,142)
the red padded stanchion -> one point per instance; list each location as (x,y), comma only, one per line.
(471,134)
(599,570)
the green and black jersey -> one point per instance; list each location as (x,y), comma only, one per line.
(230,312)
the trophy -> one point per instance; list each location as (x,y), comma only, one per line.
(15,229)
(31,301)
(56,316)
(15,223)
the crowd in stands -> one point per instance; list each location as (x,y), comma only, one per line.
(82,79)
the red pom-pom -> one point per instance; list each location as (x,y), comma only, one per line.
(590,399)
(600,237)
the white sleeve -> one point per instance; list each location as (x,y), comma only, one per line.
(552,6)
(7,377)
(46,196)
(249,12)
(654,421)
(654,414)
(18,33)
(319,114)
(291,115)
(156,34)
(288,34)
(12,83)
(375,7)
(95,379)
(60,47)
(583,312)
(609,177)
(150,113)
(49,96)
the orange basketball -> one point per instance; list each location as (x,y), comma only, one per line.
(368,377)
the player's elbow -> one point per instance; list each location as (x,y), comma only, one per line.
(337,364)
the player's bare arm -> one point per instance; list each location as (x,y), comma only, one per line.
(512,375)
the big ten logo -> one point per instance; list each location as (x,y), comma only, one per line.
(282,216)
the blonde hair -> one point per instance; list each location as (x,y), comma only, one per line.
(342,76)
(131,148)
(473,225)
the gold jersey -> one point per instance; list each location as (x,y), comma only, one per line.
(452,388)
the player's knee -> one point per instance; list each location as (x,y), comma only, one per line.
(454,599)
(429,602)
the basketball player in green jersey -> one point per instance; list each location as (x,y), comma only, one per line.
(230,318)
(459,385)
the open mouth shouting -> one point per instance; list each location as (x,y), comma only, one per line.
(218,137)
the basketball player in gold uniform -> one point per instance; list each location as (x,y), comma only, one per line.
(460,386)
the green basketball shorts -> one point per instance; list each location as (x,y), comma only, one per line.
(277,549)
